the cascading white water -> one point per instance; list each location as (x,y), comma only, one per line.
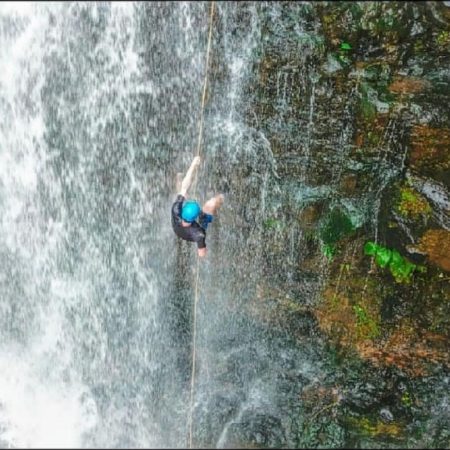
(43,399)
(79,297)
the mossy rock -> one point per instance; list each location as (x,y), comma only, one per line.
(443,39)
(350,314)
(375,427)
(411,204)
(410,349)
(336,226)
(370,131)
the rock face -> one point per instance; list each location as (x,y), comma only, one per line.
(352,99)
(436,245)
(355,104)
(430,155)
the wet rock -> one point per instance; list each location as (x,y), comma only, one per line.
(358,120)
(283,310)
(392,309)
(408,350)
(349,184)
(430,155)
(386,415)
(222,408)
(436,245)
(309,216)
(436,194)
(351,310)
(408,85)
(332,64)
(371,128)
(363,396)
(255,429)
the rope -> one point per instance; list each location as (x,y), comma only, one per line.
(205,82)
(196,291)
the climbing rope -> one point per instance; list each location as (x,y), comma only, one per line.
(205,82)
(196,291)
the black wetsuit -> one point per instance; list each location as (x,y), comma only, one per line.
(193,233)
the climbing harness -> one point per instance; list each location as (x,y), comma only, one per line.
(196,291)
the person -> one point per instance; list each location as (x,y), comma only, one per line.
(189,221)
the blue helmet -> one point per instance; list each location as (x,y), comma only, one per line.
(190,211)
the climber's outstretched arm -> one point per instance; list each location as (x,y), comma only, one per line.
(187,180)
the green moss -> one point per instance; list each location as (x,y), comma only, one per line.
(375,428)
(271,223)
(342,57)
(366,108)
(383,257)
(386,23)
(443,38)
(336,227)
(329,251)
(412,204)
(419,46)
(370,248)
(366,326)
(373,138)
(406,399)
(384,95)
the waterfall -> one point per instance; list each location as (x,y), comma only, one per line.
(85,171)
(100,105)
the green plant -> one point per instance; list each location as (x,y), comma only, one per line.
(401,269)
(336,227)
(406,399)
(343,53)
(329,250)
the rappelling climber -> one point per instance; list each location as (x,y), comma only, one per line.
(189,221)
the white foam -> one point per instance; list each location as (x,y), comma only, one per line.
(37,408)
(16,8)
